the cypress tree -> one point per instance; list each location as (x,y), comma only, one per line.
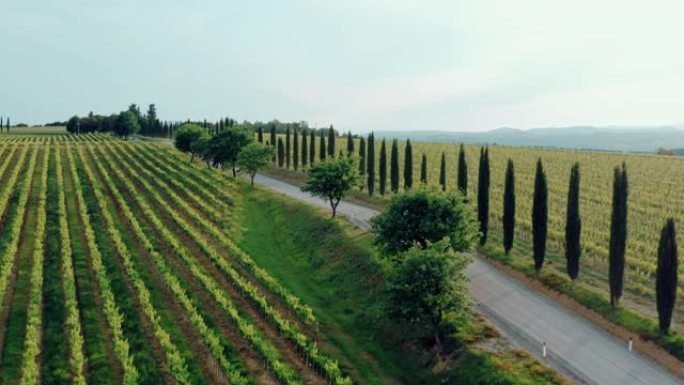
(442,172)
(287,148)
(1,127)
(321,150)
(305,148)
(273,135)
(573,224)
(618,235)
(362,160)
(666,276)
(295,150)
(260,134)
(423,170)
(539,216)
(483,194)
(312,146)
(394,167)
(408,166)
(370,163)
(509,208)
(331,142)
(350,143)
(462,181)
(383,168)
(281,153)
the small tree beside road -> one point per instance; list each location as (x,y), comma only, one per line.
(253,158)
(331,179)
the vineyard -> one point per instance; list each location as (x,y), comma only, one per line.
(119,266)
(655,193)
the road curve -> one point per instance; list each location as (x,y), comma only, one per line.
(575,347)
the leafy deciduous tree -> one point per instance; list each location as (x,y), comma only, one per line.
(332,179)
(253,158)
(428,284)
(421,216)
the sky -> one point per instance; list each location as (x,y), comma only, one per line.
(360,65)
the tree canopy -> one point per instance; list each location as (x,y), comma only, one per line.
(127,124)
(253,158)
(422,216)
(186,135)
(226,145)
(429,283)
(331,179)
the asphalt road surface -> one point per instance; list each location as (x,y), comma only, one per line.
(575,347)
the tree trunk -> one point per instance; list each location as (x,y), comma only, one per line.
(234,173)
(252,177)
(436,334)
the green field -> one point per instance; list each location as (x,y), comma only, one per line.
(122,263)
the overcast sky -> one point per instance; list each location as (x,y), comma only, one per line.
(358,64)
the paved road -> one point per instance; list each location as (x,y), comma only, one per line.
(575,347)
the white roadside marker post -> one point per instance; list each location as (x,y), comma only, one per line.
(544,349)
(630,344)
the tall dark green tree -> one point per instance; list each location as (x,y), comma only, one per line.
(539,216)
(618,235)
(666,275)
(281,153)
(273,135)
(423,170)
(305,148)
(442,172)
(394,167)
(331,142)
(1,126)
(350,143)
(383,168)
(483,194)
(287,148)
(312,146)
(260,134)
(509,208)
(362,161)
(573,224)
(295,150)
(322,152)
(408,166)
(370,164)
(462,181)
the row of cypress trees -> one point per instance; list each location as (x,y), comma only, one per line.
(666,282)
(666,272)
(366,154)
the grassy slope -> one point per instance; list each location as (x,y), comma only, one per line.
(332,267)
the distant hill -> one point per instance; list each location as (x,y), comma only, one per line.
(623,139)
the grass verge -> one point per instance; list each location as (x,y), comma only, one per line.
(332,267)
